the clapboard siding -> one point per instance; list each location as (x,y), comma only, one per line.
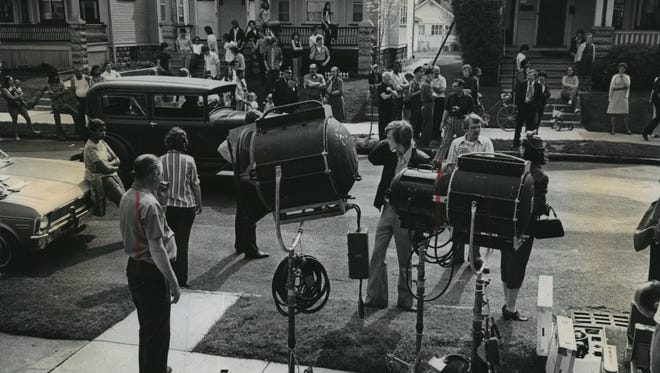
(55,54)
(134,22)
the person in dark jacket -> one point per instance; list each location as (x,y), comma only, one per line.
(540,98)
(514,263)
(525,105)
(284,91)
(395,153)
(249,209)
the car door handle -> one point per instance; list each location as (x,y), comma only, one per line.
(153,124)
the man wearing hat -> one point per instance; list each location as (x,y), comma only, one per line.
(284,91)
(395,153)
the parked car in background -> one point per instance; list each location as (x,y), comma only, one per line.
(41,200)
(140,110)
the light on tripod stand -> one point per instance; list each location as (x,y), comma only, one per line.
(487,201)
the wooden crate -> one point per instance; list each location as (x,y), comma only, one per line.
(544,315)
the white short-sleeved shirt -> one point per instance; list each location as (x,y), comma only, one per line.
(462,146)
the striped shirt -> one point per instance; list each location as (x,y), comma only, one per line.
(180,170)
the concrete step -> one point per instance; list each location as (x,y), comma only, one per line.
(45,99)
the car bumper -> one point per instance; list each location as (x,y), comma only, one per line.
(70,223)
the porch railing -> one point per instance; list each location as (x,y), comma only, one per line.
(19,32)
(346,36)
(624,37)
(96,33)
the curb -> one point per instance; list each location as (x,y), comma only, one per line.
(562,157)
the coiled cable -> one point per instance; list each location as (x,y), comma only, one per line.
(312,285)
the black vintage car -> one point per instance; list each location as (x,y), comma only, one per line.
(140,110)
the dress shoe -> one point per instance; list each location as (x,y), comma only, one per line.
(611,132)
(407,308)
(169,369)
(645,136)
(515,316)
(628,132)
(255,253)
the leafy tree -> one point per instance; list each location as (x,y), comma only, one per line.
(480,33)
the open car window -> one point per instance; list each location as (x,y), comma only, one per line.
(120,104)
(189,107)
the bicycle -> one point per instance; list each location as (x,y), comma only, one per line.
(505,112)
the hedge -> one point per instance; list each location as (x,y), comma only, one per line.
(479,29)
(643,66)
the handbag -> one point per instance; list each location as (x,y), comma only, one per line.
(549,227)
(644,231)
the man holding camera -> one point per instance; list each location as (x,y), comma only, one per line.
(395,153)
(149,243)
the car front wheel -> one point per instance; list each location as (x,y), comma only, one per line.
(11,255)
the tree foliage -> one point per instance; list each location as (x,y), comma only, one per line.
(478,25)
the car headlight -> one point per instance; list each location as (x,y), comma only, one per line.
(43,223)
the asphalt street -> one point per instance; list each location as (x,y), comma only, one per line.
(594,265)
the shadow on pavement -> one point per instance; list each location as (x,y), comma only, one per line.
(215,277)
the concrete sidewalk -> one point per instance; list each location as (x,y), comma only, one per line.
(116,350)
(579,134)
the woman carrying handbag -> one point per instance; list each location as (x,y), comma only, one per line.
(514,262)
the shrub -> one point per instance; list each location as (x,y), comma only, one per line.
(642,63)
(594,112)
(479,29)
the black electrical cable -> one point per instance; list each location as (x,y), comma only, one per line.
(312,285)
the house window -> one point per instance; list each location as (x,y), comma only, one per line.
(163,8)
(404,12)
(357,11)
(315,8)
(284,11)
(180,12)
(6,11)
(617,16)
(89,11)
(422,30)
(649,15)
(436,29)
(51,10)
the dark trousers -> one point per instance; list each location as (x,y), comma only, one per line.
(654,262)
(384,117)
(525,116)
(438,110)
(272,76)
(655,121)
(415,107)
(249,211)
(538,116)
(180,220)
(397,108)
(514,262)
(82,111)
(427,123)
(152,300)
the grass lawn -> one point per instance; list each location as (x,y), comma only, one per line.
(594,112)
(44,304)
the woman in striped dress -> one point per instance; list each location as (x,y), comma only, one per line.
(618,97)
(184,196)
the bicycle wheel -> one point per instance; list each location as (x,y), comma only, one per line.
(506,118)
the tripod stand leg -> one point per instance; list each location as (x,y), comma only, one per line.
(478,365)
(291,300)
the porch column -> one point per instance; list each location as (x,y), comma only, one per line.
(603,32)
(604,13)
(167,26)
(365,46)
(609,13)
(598,14)
(77,34)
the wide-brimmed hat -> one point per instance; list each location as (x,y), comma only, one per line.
(533,141)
